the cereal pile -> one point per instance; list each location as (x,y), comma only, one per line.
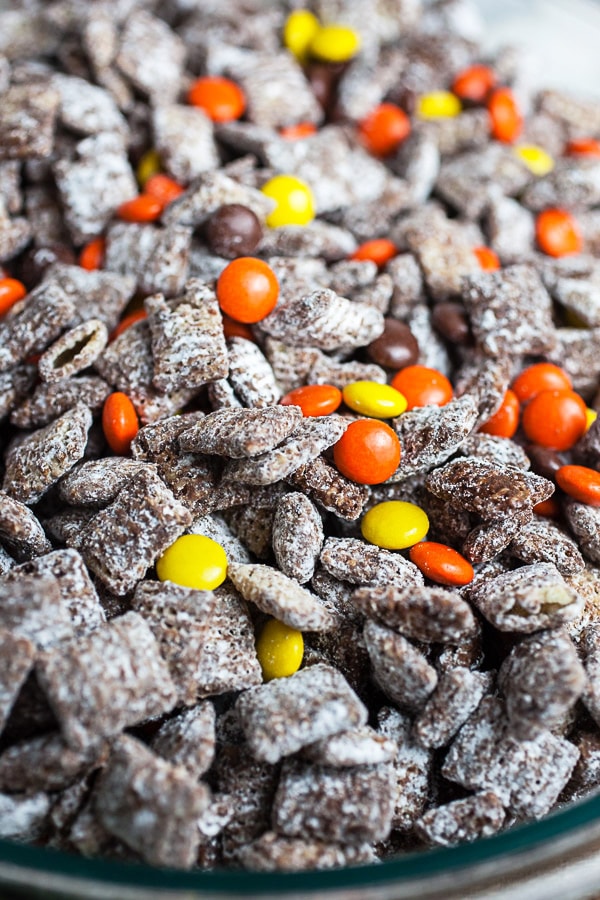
(300,507)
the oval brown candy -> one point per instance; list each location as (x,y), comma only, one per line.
(396,347)
(450,320)
(233,230)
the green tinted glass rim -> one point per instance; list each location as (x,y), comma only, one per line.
(422,864)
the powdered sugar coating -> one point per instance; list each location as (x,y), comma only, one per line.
(297,536)
(401,670)
(280,596)
(463,820)
(240,433)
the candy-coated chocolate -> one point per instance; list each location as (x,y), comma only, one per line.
(233,230)
(314,399)
(193,561)
(279,649)
(380,401)
(368,452)
(438,105)
(294,199)
(335,43)
(394,524)
(581,483)
(537,160)
(396,347)
(441,563)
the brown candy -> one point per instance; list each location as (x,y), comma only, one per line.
(233,230)
(451,321)
(396,348)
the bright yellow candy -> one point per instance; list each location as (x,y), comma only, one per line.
(193,561)
(394,525)
(438,105)
(298,32)
(279,649)
(149,165)
(294,199)
(591,415)
(335,43)
(378,401)
(535,158)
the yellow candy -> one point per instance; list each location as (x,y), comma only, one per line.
(438,105)
(378,401)
(193,561)
(335,43)
(148,166)
(299,30)
(591,415)
(279,649)
(294,199)
(394,525)
(535,158)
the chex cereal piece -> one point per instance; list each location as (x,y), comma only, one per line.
(400,670)
(50,400)
(576,351)
(486,541)
(178,617)
(456,134)
(188,346)
(151,55)
(542,679)
(412,768)
(108,680)
(351,274)
(586,774)
(421,613)
(432,350)
(240,433)
(46,763)
(184,138)
(86,108)
(348,805)
(268,81)
(10,182)
(575,283)
(250,375)
(95,295)
(254,527)
(526,776)
(281,717)
(325,320)
(280,596)
(498,450)
(215,527)
(337,594)
(16,661)
(527,599)
(20,530)
(350,559)
(580,114)
(325,370)
(511,229)
(297,536)
(313,435)
(210,191)
(510,311)
(222,396)
(23,817)
(6,561)
(160,440)
(96,482)
(574,184)
(122,541)
(542,541)
(27,121)
(487,380)
(188,739)
(73,351)
(66,527)
(32,607)
(474,817)
(77,592)
(429,435)
(46,455)
(36,322)
(584,522)
(317,239)
(491,491)
(272,852)
(322,482)
(360,747)
(458,693)
(15,386)
(290,365)
(157,257)
(471,179)
(151,805)
(445,257)
(15,234)
(344,649)
(408,284)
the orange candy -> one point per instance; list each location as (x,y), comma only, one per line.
(488,260)
(231,328)
(555,419)
(558,233)
(130,319)
(314,399)
(384,129)
(220,98)
(422,386)
(540,377)
(474,83)
(144,208)
(583,147)
(379,251)
(548,508)
(11,291)
(506,121)
(581,483)
(298,131)
(163,188)
(505,422)
(119,422)
(368,452)
(247,289)
(91,256)
(441,563)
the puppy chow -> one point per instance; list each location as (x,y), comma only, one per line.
(412,768)
(20,530)
(157,257)
(151,56)
(185,140)
(361,747)
(275,853)
(353,560)
(16,661)
(73,351)
(250,374)
(480,815)
(208,192)
(27,121)
(95,295)
(320,481)
(33,324)
(47,764)
(297,536)
(399,668)
(280,596)
(458,693)
(188,739)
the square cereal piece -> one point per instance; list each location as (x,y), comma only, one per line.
(151,805)
(268,82)
(465,820)
(353,560)
(445,256)
(328,488)
(46,763)
(584,521)
(511,229)
(33,324)
(349,806)
(23,817)
(325,370)
(184,138)
(15,234)
(210,191)
(73,351)
(281,717)
(32,607)
(151,55)
(542,541)
(273,852)
(297,536)
(96,482)
(317,239)
(575,283)
(121,542)
(240,433)
(359,747)
(179,618)
(251,375)
(157,257)
(44,456)
(458,693)
(16,661)
(20,530)
(215,527)
(86,108)
(510,312)
(27,117)
(97,294)
(279,596)
(572,183)
(15,386)
(188,739)
(93,183)
(400,670)
(188,345)
(577,352)
(108,680)
(10,183)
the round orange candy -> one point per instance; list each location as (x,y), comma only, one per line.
(314,399)
(540,377)
(505,421)
(506,121)
(119,422)
(298,132)
(384,129)
(474,83)
(221,99)
(581,483)
(163,188)
(557,233)
(583,147)
(487,259)
(231,328)
(11,291)
(247,289)
(423,386)
(379,251)
(130,319)
(555,419)
(144,208)
(91,256)
(441,563)
(368,452)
